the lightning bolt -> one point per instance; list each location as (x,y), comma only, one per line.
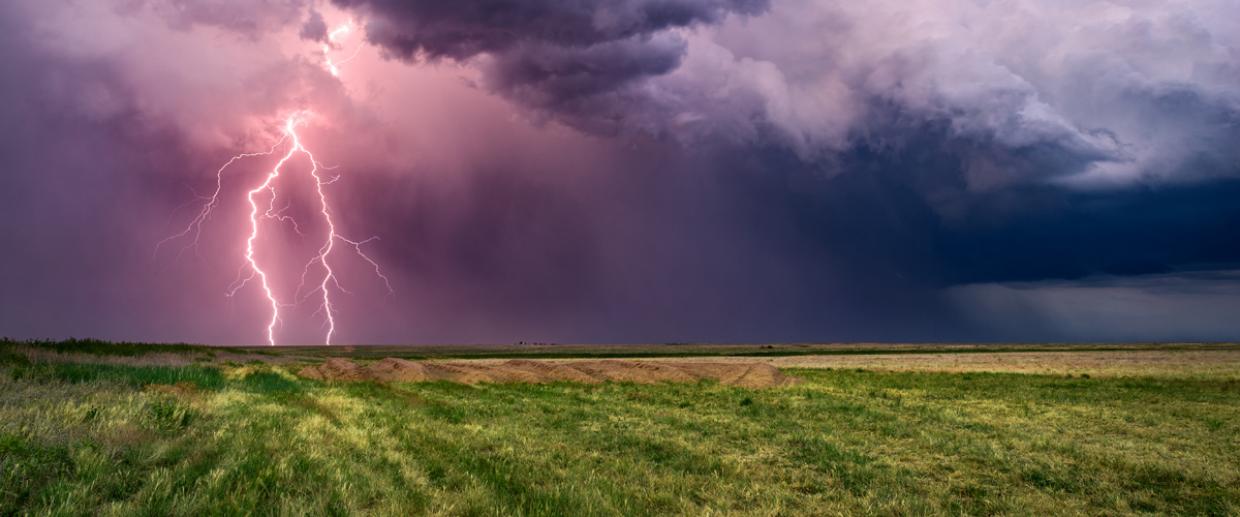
(330,45)
(195,225)
(251,269)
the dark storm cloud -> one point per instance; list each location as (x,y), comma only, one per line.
(584,88)
(1032,230)
(819,77)
(1108,308)
(874,246)
(314,28)
(572,60)
(804,170)
(460,30)
(546,75)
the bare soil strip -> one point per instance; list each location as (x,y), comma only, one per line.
(1126,360)
(750,374)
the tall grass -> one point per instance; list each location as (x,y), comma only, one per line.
(99,347)
(113,439)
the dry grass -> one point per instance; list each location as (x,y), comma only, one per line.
(748,374)
(1221,363)
(1159,437)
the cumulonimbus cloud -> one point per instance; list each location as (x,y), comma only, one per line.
(459,30)
(573,60)
(818,168)
(1084,93)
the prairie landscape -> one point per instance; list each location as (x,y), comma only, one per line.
(619,257)
(100,428)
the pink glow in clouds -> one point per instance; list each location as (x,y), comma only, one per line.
(606,170)
(253,269)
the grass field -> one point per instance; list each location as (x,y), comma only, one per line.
(88,429)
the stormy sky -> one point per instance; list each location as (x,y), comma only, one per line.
(630,170)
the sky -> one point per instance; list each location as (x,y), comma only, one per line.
(623,170)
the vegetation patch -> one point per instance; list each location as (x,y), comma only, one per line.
(85,438)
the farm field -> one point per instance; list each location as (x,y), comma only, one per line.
(98,428)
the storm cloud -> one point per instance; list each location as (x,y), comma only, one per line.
(640,170)
(575,60)
(412,28)
(1084,93)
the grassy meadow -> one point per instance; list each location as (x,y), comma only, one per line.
(95,435)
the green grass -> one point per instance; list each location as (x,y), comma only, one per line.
(115,439)
(99,347)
